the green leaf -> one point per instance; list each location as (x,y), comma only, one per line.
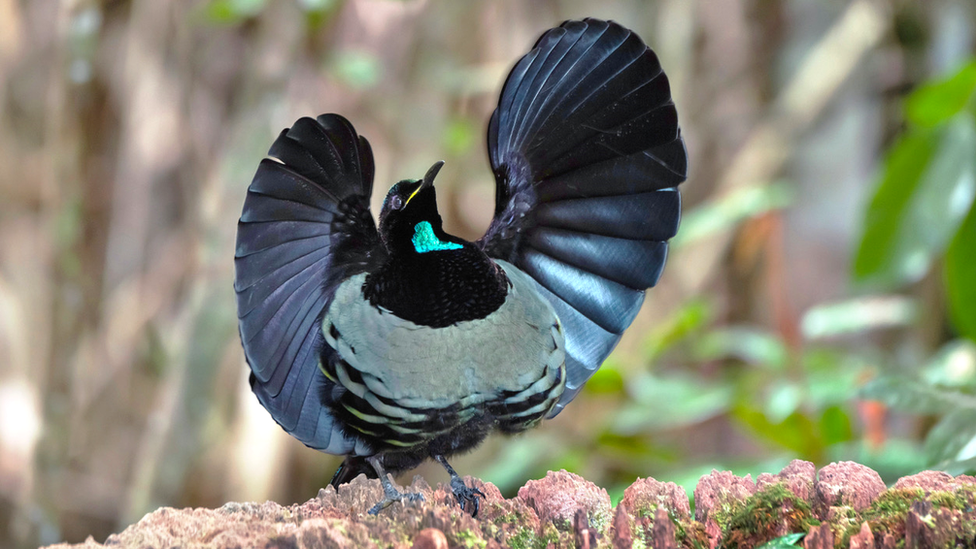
(664,403)
(961,277)
(636,447)
(606,380)
(835,426)
(956,468)
(858,315)
(788,541)
(690,317)
(746,344)
(947,189)
(796,433)
(936,102)
(953,438)
(954,365)
(359,69)
(903,169)
(900,456)
(459,136)
(232,11)
(784,399)
(926,190)
(832,378)
(908,395)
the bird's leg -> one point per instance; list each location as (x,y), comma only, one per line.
(390,493)
(462,493)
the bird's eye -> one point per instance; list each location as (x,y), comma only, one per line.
(396,202)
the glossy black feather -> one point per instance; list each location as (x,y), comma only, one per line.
(649,216)
(305,227)
(621,260)
(586,152)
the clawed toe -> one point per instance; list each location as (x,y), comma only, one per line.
(390,499)
(464,495)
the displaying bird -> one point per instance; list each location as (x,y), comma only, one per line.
(402,343)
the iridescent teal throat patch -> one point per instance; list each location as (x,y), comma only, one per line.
(424,240)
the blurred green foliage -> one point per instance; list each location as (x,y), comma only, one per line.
(926,190)
(961,277)
(921,215)
(722,214)
(945,388)
(232,12)
(357,69)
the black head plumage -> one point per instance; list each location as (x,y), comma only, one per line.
(408,203)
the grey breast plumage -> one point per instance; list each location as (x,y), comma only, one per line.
(405,372)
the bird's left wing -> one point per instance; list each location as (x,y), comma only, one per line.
(305,227)
(587,155)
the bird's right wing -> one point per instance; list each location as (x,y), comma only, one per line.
(305,227)
(587,155)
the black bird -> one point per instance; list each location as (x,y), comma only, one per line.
(398,344)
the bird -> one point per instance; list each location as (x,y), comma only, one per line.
(397,343)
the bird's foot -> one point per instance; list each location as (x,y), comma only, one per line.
(392,495)
(464,495)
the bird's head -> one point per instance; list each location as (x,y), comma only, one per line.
(409,220)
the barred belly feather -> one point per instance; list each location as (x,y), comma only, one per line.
(405,385)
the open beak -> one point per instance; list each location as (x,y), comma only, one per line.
(428,180)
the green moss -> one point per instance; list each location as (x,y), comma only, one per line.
(687,533)
(513,517)
(967,494)
(690,534)
(752,521)
(563,525)
(601,521)
(893,502)
(470,540)
(888,513)
(649,508)
(646,509)
(523,539)
(843,518)
(526,538)
(960,500)
(549,535)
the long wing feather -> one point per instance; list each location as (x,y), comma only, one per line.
(587,153)
(305,227)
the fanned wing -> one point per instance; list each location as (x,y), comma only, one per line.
(587,155)
(305,227)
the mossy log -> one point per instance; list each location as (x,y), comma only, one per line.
(842,505)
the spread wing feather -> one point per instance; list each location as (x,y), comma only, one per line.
(305,227)
(587,153)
